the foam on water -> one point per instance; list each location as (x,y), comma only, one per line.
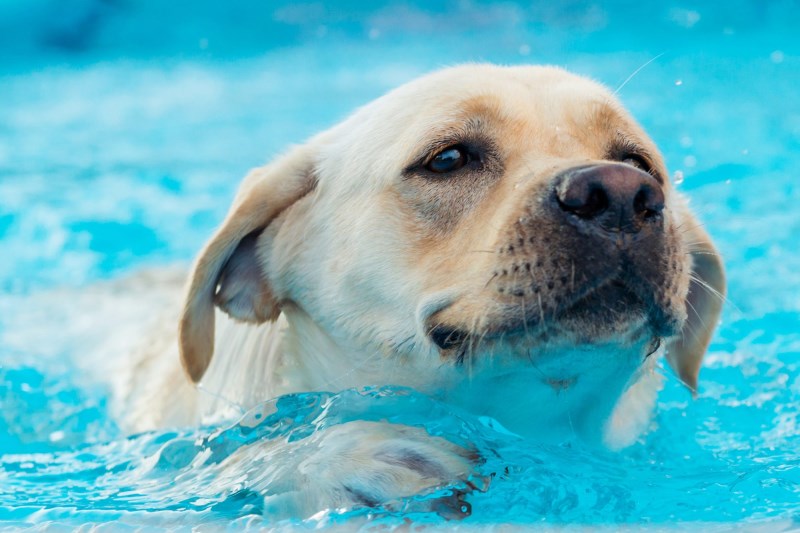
(108,166)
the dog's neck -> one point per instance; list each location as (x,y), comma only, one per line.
(603,395)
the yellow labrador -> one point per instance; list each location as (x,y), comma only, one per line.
(503,238)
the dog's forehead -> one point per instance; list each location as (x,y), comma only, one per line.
(532,111)
(521,101)
(527,111)
(502,94)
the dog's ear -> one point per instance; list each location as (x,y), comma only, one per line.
(227,272)
(704,303)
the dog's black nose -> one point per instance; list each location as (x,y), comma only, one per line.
(614,197)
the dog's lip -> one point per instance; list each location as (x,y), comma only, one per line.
(449,336)
(445,337)
(613,289)
(433,305)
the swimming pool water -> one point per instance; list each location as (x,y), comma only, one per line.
(122,141)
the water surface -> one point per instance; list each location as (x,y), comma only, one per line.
(122,140)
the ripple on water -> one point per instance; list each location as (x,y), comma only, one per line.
(130,480)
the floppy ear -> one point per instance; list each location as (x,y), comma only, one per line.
(704,303)
(227,272)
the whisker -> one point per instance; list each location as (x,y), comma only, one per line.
(569,419)
(522,304)
(535,366)
(699,209)
(635,72)
(472,345)
(722,297)
(572,277)
(710,289)
(691,228)
(699,317)
(690,244)
(699,223)
(219,396)
(670,374)
(482,337)
(353,369)
(471,349)
(713,254)
(541,310)
(400,344)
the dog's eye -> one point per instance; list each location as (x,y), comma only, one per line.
(450,159)
(637,161)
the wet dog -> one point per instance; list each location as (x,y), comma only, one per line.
(502,238)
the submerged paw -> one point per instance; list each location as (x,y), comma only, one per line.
(386,465)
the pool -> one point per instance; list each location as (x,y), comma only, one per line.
(124,135)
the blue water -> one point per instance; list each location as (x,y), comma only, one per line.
(123,136)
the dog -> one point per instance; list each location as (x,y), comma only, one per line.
(505,239)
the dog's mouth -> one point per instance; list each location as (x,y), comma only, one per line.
(612,311)
(611,305)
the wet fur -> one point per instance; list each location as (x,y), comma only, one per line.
(338,262)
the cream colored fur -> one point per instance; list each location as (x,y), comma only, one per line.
(335,257)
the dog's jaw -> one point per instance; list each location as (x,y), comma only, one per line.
(553,394)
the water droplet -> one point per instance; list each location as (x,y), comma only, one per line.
(678,177)
(777,57)
(524,50)
(678,82)
(689,161)
(686,18)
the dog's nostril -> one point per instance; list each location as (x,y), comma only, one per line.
(640,201)
(647,204)
(446,337)
(587,203)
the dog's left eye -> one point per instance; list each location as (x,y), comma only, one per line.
(637,161)
(450,159)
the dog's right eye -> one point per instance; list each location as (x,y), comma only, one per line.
(450,159)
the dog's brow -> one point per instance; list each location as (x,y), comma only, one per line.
(469,131)
(624,144)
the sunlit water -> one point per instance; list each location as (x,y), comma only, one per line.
(113,159)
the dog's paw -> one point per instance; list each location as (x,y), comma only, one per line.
(382,465)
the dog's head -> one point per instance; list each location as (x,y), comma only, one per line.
(476,211)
